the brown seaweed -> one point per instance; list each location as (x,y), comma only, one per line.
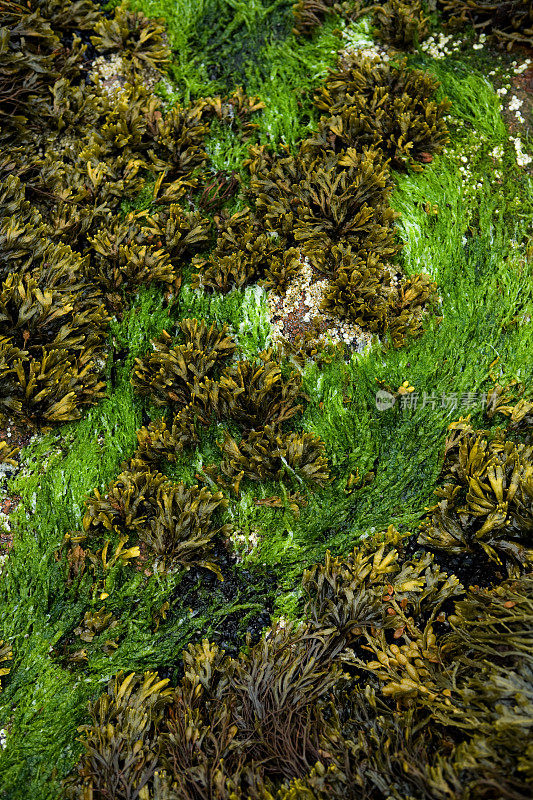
(141,41)
(399,682)
(486,500)
(377,104)
(510,22)
(172,523)
(401,23)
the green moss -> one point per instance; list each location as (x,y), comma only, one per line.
(284,77)
(476,257)
(225,148)
(473,98)
(218,44)
(214,40)
(245,310)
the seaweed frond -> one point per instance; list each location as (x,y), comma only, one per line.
(140,40)
(172,523)
(269,455)
(486,500)
(401,23)
(377,104)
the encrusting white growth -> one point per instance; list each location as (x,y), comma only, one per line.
(440,46)
(523,67)
(111,72)
(246,542)
(522,159)
(358,35)
(303,298)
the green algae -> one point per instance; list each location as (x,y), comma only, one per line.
(43,701)
(282,71)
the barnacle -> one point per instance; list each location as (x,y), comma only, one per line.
(485,503)
(269,455)
(139,39)
(377,104)
(401,23)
